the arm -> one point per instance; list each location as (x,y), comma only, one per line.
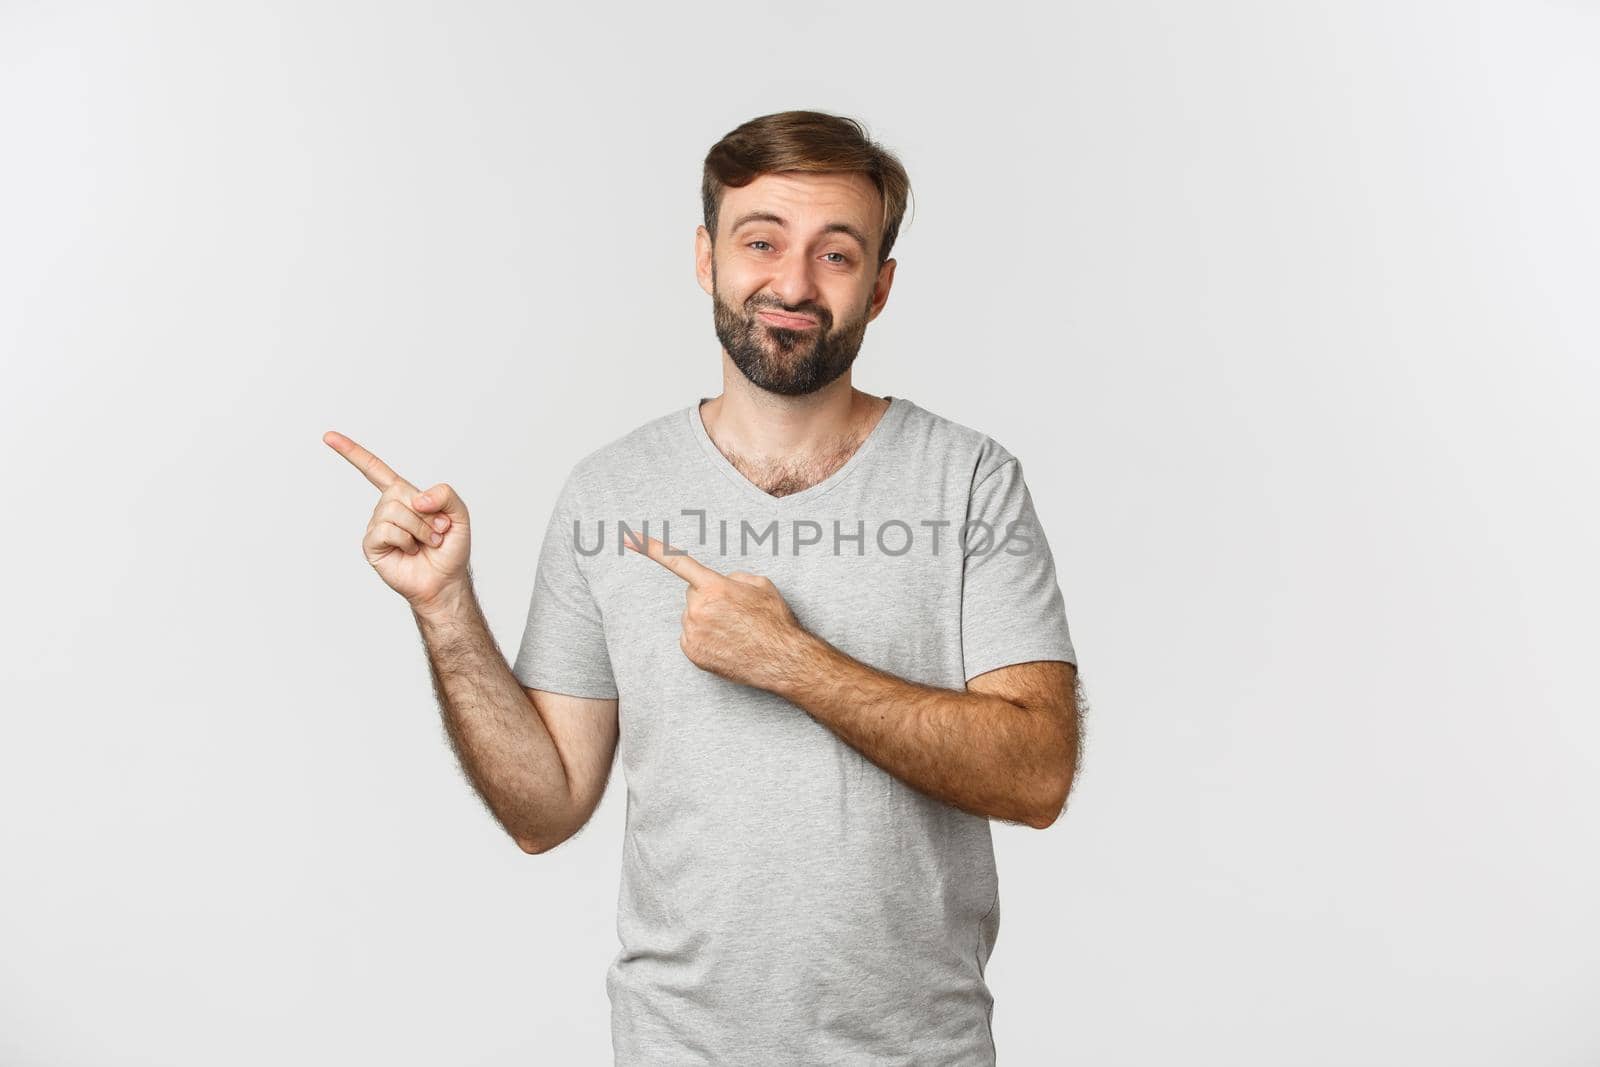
(539,760)
(1007,748)
(505,742)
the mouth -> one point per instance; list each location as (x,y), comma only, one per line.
(788,322)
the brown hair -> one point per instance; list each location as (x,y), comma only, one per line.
(806,141)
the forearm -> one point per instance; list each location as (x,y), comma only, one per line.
(499,739)
(975,751)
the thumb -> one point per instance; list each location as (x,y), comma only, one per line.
(440,499)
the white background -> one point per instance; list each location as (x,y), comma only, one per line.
(1288,308)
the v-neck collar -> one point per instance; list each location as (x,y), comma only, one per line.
(885,427)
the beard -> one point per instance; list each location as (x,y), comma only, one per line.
(789,362)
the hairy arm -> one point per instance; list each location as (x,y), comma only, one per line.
(499,737)
(1007,748)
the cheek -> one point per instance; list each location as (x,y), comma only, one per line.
(734,289)
(738,274)
(846,301)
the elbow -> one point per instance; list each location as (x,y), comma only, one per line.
(542,838)
(1051,798)
(1054,802)
(538,844)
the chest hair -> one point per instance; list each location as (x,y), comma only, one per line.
(787,475)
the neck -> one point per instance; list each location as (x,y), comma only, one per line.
(769,427)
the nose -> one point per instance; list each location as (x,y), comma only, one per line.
(793,282)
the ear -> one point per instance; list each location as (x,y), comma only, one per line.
(880,289)
(702,258)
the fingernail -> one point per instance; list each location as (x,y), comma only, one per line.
(423,499)
(435,538)
(440,522)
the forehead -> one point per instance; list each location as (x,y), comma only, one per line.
(807,200)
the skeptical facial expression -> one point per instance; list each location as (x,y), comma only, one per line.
(793,276)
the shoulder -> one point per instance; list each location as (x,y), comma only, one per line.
(630,460)
(942,441)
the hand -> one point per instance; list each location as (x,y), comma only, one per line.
(737,626)
(418,543)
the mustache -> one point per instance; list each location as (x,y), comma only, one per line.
(810,312)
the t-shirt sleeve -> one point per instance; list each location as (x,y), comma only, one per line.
(564,641)
(1012,610)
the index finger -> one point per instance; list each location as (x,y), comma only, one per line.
(682,564)
(377,471)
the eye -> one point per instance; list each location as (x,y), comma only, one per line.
(754,243)
(843,259)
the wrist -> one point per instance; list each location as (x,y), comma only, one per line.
(450,604)
(805,655)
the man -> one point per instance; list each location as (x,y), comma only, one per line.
(826,628)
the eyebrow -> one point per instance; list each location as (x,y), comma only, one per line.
(777,220)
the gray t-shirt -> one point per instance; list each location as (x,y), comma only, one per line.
(783,899)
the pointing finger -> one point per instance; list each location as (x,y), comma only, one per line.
(682,564)
(376,470)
